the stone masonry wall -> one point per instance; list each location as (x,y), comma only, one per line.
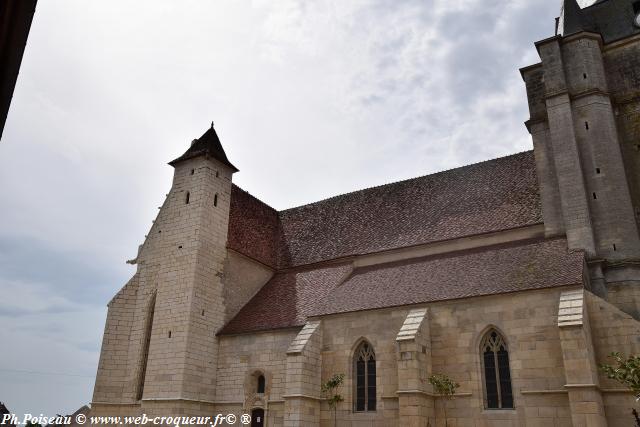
(115,374)
(622,64)
(613,330)
(528,321)
(240,357)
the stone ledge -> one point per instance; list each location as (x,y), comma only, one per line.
(179,399)
(463,394)
(115,404)
(530,392)
(577,386)
(302,396)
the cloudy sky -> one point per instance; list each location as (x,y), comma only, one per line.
(310,99)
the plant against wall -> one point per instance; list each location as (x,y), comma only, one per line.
(330,390)
(444,387)
(626,372)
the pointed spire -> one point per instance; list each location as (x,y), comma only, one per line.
(207,145)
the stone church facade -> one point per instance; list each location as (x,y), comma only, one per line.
(516,277)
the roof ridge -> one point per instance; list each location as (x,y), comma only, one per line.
(406,180)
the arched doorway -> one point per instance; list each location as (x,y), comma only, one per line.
(257,417)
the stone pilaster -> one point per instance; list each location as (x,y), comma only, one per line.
(303,376)
(581,371)
(416,403)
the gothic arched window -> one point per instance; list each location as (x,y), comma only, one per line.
(497,377)
(261,384)
(365,378)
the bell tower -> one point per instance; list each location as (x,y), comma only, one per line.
(159,347)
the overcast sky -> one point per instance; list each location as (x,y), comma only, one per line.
(310,99)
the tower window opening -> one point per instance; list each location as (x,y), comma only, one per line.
(215,200)
(169,334)
(261,384)
(193,171)
(598,171)
(614,247)
(584,76)
(595,197)
(203,312)
(217,174)
(637,147)
(186,200)
(586,125)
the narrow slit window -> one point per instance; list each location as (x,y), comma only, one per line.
(193,171)
(595,197)
(586,125)
(144,356)
(186,199)
(584,76)
(497,374)
(615,248)
(215,200)
(598,171)
(169,334)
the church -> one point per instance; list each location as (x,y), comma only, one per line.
(514,277)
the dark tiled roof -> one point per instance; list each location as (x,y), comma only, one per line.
(517,266)
(613,19)
(207,145)
(490,196)
(286,300)
(292,296)
(253,227)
